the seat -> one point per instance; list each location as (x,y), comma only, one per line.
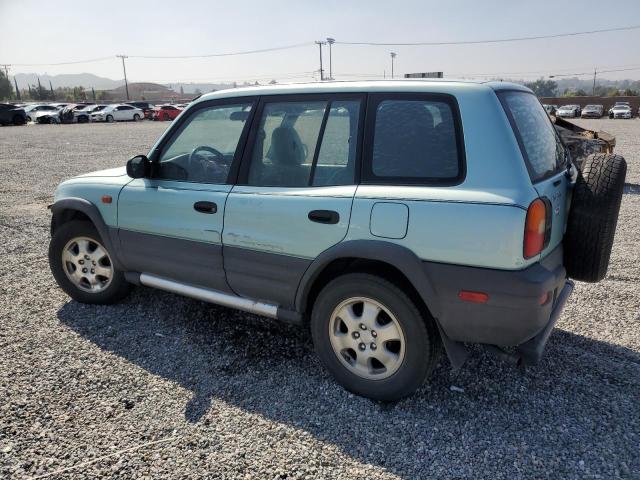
(287,153)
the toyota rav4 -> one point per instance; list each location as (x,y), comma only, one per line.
(390,218)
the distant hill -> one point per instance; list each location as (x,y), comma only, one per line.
(143,90)
(86,80)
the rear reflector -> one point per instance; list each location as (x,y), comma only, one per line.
(474,297)
(543,298)
(535,228)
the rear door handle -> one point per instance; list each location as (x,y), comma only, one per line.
(205,207)
(328,217)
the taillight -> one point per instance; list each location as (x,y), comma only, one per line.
(537,227)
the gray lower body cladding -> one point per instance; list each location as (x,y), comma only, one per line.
(513,313)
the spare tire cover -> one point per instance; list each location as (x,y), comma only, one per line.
(593,216)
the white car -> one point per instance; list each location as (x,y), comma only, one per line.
(622,111)
(117,113)
(568,111)
(33,111)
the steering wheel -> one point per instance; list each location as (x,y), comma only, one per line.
(201,169)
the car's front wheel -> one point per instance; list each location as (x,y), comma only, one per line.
(109,118)
(82,265)
(373,338)
(136,117)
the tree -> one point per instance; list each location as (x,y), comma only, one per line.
(630,93)
(543,88)
(6,90)
(580,93)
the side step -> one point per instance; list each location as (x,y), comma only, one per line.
(212,296)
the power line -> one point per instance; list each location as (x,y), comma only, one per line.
(91,60)
(208,55)
(495,40)
(227,54)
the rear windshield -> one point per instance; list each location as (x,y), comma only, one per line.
(541,147)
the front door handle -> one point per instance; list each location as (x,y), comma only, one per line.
(205,207)
(328,217)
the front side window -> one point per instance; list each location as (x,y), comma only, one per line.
(204,147)
(541,146)
(415,141)
(305,143)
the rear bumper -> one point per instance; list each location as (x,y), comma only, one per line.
(513,314)
(532,350)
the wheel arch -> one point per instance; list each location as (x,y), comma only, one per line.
(389,260)
(69,209)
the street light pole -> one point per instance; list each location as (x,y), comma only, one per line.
(124,69)
(330,41)
(593,92)
(393,56)
(320,43)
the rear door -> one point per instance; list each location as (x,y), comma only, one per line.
(171,224)
(544,155)
(295,191)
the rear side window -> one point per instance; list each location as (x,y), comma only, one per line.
(541,147)
(415,140)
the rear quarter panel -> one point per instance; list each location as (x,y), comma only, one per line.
(479,222)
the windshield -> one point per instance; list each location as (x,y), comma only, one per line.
(541,147)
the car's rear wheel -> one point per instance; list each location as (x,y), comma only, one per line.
(136,117)
(109,118)
(82,265)
(372,337)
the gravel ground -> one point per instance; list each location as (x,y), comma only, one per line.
(163,387)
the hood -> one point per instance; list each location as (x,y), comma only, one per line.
(110,172)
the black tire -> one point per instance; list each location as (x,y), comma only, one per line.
(18,120)
(109,118)
(83,119)
(165,117)
(593,216)
(136,117)
(422,340)
(117,289)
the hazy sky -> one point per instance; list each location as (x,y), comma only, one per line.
(59,31)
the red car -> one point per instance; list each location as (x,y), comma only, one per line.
(165,112)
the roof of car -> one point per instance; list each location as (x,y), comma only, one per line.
(405,85)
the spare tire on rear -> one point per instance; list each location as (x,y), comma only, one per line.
(593,216)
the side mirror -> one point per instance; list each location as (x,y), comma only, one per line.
(139,167)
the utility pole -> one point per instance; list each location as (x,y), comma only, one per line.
(330,41)
(124,69)
(320,43)
(393,56)
(595,71)
(6,70)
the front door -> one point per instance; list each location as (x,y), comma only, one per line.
(294,195)
(171,224)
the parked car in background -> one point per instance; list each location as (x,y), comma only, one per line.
(550,109)
(570,111)
(86,111)
(622,111)
(166,112)
(76,113)
(33,110)
(146,107)
(48,116)
(592,111)
(117,113)
(10,114)
(402,234)
(618,104)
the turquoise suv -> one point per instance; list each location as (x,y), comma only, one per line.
(390,218)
